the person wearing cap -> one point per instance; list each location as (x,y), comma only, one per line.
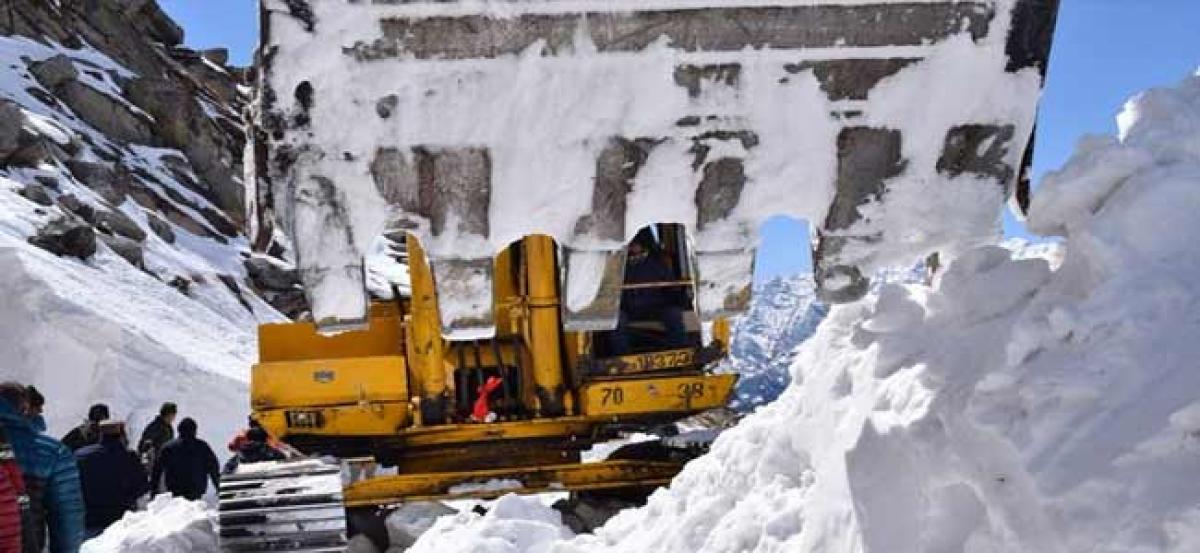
(87,433)
(50,475)
(186,464)
(157,434)
(112,476)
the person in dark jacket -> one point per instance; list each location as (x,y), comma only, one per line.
(186,464)
(51,479)
(112,476)
(255,449)
(157,434)
(644,265)
(12,492)
(87,433)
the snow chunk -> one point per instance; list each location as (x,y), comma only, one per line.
(168,525)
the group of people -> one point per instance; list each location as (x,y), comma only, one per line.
(56,493)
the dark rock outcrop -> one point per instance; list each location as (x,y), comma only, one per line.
(65,237)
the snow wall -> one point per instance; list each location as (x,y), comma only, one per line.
(1013,406)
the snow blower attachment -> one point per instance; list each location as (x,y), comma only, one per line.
(896,128)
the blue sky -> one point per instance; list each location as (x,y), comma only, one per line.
(1104,52)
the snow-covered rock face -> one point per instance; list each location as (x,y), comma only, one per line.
(1012,406)
(125,276)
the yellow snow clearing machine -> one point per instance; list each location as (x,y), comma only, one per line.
(505,153)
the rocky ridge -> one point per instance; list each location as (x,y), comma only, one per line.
(117,138)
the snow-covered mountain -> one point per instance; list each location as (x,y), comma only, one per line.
(783,313)
(125,274)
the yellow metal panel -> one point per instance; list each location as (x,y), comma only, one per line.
(463,433)
(385,490)
(297,341)
(374,419)
(656,395)
(328,382)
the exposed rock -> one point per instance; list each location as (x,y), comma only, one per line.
(108,114)
(37,194)
(219,56)
(49,181)
(183,124)
(71,204)
(161,228)
(292,303)
(117,223)
(11,120)
(267,274)
(54,72)
(231,283)
(128,249)
(112,184)
(183,285)
(66,237)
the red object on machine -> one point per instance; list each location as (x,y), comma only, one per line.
(482,408)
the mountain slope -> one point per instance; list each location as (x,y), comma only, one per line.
(126,273)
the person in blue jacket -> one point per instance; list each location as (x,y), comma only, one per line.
(51,478)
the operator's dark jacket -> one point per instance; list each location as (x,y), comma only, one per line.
(187,463)
(113,479)
(51,483)
(645,303)
(155,436)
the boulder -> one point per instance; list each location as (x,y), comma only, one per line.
(161,228)
(292,303)
(71,204)
(37,194)
(128,249)
(116,223)
(267,274)
(110,183)
(54,72)
(183,285)
(11,121)
(64,236)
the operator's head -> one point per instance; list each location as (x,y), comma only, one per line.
(168,411)
(187,427)
(97,412)
(642,244)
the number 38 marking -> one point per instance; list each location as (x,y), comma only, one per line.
(689,390)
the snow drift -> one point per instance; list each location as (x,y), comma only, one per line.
(167,525)
(1012,406)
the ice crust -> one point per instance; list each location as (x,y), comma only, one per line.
(1030,402)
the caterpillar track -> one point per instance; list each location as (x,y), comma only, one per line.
(286,506)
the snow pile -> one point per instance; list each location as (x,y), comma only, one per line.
(513,524)
(167,525)
(1011,407)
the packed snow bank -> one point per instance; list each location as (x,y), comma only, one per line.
(1011,407)
(513,524)
(168,525)
(103,331)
